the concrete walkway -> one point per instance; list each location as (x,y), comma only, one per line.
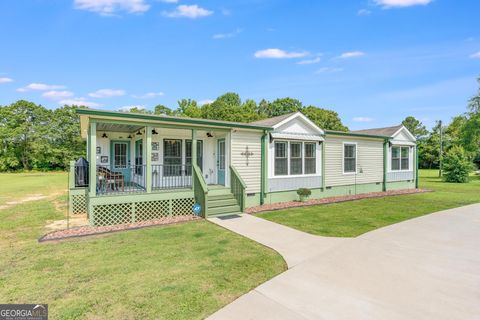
(294,246)
(424,268)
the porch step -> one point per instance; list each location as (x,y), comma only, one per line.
(218,191)
(221,202)
(220,197)
(224,210)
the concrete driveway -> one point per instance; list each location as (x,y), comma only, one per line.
(424,268)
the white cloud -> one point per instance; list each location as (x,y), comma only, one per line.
(310,61)
(40,87)
(110,7)
(401,3)
(362,119)
(5,80)
(188,11)
(363,12)
(79,102)
(227,35)
(328,70)
(149,95)
(476,55)
(206,101)
(128,108)
(169,1)
(107,93)
(351,54)
(56,95)
(278,54)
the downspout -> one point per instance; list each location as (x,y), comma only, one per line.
(323,165)
(416,166)
(385,144)
(263,167)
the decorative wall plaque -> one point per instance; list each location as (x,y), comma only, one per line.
(247,154)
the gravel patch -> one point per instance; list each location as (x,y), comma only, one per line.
(313,202)
(91,230)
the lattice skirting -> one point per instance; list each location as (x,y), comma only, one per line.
(78,201)
(131,212)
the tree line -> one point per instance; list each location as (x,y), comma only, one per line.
(461,135)
(35,137)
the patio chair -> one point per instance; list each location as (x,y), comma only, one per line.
(111,178)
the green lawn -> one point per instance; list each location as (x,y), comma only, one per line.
(14,186)
(350,219)
(184,271)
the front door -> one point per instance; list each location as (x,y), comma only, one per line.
(120,158)
(221,161)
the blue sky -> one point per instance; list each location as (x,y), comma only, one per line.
(372,61)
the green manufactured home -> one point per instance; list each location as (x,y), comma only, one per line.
(141,167)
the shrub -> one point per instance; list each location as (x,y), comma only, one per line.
(304,193)
(457,166)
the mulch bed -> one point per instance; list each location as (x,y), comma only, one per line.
(313,202)
(91,230)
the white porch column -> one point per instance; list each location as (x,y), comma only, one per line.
(194,147)
(92,158)
(148,162)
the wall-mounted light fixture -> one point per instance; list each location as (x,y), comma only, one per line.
(154,131)
(129,136)
(139,133)
(104,135)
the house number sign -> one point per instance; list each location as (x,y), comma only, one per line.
(247,154)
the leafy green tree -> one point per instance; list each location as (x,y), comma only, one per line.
(325,119)
(283,106)
(250,111)
(227,107)
(23,131)
(474,103)
(264,109)
(470,133)
(64,138)
(139,110)
(457,166)
(188,108)
(415,127)
(429,148)
(163,110)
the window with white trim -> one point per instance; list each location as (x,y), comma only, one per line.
(310,158)
(296,158)
(400,158)
(281,158)
(349,158)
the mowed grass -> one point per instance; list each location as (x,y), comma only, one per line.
(15,186)
(184,271)
(350,219)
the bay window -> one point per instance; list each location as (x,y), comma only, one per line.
(295,158)
(310,158)
(281,159)
(400,158)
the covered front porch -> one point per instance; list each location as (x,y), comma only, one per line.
(136,159)
(137,171)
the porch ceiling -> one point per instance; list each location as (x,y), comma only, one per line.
(117,127)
